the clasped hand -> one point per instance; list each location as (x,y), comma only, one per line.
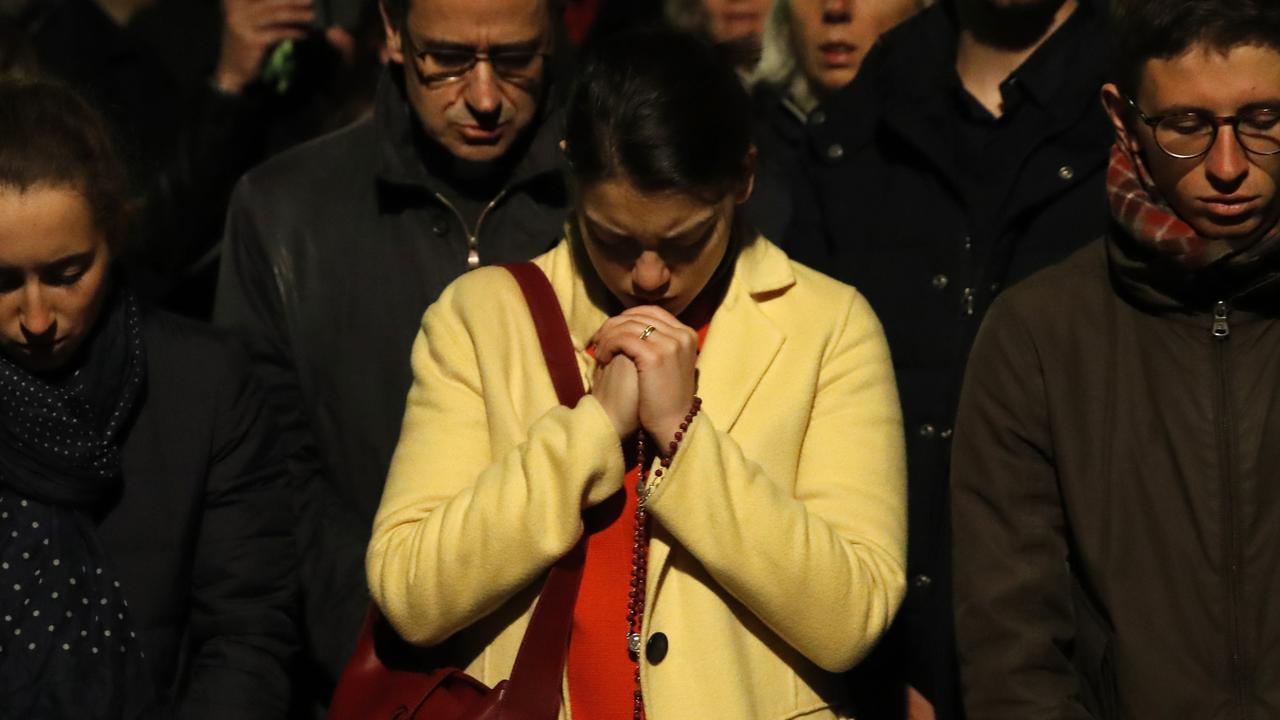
(647,382)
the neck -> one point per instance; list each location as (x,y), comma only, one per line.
(122,10)
(476,180)
(996,41)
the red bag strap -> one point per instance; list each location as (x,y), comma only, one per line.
(535,679)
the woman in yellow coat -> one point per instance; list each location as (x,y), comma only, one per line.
(776,533)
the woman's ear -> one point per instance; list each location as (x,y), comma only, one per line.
(1118,109)
(748,182)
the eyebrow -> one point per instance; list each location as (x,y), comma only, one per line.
(438,45)
(1270,103)
(699,223)
(62,263)
(84,258)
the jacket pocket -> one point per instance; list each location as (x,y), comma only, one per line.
(1093,656)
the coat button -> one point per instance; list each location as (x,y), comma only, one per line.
(835,151)
(922,581)
(656,649)
(928,432)
(817,117)
(946,433)
(1066,172)
(940,282)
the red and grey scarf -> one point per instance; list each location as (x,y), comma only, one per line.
(1137,206)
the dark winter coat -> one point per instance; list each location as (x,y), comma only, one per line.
(930,238)
(201,534)
(333,251)
(1116,511)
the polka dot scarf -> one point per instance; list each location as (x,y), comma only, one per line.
(67,648)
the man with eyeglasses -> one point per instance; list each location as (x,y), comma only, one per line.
(1117,452)
(334,250)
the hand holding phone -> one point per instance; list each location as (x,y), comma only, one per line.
(250,28)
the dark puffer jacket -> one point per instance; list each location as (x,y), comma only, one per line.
(1116,510)
(201,534)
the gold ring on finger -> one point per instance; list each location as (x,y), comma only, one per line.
(648,330)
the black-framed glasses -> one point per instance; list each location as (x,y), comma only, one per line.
(1192,134)
(438,64)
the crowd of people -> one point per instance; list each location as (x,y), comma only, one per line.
(926,353)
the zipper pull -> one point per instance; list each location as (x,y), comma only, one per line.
(966,301)
(473,253)
(1221,328)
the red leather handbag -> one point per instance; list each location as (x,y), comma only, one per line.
(388,679)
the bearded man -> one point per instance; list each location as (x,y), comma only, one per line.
(968,153)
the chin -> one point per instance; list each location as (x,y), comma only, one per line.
(834,80)
(1244,232)
(41,363)
(477,153)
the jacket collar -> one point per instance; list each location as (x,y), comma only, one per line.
(401,158)
(741,342)
(908,83)
(1157,284)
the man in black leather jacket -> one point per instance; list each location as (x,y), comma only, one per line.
(335,249)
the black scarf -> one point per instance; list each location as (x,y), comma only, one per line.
(67,648)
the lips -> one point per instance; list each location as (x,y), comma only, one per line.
(1228,206)
(838,54)
(482,136)
(741,17)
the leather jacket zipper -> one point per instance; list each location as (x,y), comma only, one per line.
(473,236)
(1221,331)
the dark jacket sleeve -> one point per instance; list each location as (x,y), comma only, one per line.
(1013,590)
(243,577)
(331,537)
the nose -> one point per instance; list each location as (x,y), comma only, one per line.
(483,97)
(1226,163)
(650,275)
(35,314)
(837,11)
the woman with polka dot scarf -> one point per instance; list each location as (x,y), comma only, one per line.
(146,562)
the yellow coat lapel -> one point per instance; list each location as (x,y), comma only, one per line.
(742,340)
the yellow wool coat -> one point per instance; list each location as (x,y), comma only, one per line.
(779,532)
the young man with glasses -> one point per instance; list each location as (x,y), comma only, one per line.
(334,250)
(1116,510)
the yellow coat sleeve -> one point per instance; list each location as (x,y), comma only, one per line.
(823,567)
(460,530)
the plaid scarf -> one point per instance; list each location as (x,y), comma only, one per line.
(1138,207)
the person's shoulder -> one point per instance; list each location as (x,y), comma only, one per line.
(919,32)
(816,286)
(899,58)
(905,46)
(181,345)
(1060,294)
(799,297)
(324,164)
